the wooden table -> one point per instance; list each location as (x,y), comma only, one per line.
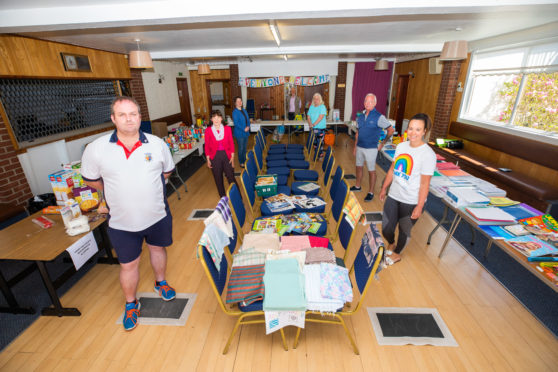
(26,241)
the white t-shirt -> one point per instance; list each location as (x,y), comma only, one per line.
(134,187)
(410,164)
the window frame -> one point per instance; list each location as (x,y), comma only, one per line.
(531,133)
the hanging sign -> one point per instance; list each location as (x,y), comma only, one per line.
(280,80)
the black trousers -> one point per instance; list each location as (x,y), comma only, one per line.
(397,213)
(291,116)
(220,164)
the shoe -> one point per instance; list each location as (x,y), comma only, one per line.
(166,292)
(131,315)
(354,188)
(241,165)
(389,261)
(369,197)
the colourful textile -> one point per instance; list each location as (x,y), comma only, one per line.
(248,257)
(216,218)
(262,242)
(335,282)
(319,255)
(315,301)
(295,243)
(224,209)
(214,240)
(299,256)
(246,284)
(353,210)
(318,242)
(284,286)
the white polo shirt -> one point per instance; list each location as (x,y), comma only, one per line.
(134,186)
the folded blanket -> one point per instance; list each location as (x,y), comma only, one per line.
(284,286)
(246,284)
(315,301)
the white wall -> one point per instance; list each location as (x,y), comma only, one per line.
(289,68)
(162,98)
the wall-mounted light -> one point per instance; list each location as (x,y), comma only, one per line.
(140,58)
(275,32)
(454,50)
(381,65)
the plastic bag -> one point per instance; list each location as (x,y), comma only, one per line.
(278,133)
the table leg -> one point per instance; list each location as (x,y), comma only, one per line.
(13,306)
(488,246)
(175,189)
(442,221)
(472,234)
(452,229)
(181,180)
(57,309)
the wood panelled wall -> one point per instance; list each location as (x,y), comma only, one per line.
(27,57)
(422,93)
(199,90)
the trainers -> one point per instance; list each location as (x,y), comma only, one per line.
(166,292)
(131,315)
(369,197)
(354,188)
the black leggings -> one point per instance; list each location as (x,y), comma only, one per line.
(220,164)
(395,213)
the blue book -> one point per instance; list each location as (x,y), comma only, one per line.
(521,211)
(496,232)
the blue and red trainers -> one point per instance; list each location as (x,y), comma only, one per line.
(166,292)
(131,315)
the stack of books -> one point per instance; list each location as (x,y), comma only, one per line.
(464,196)
(502,202)
(490,216)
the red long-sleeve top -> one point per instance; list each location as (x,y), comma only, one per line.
(211,143)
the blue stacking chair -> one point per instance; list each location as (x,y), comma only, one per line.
(310,174)
(237,208)
(326,177)
(250,108)
(253,171)
(245,314)
(337,207)
(346,234)
(364,271)
(249,191)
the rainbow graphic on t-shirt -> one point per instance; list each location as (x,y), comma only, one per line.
(403,165)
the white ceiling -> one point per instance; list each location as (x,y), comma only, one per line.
(228,30)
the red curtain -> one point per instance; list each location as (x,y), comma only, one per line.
(367,80)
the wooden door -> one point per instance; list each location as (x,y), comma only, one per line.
(400,100)
(184,99)
(260,96)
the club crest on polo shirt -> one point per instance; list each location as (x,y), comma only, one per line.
(148,157)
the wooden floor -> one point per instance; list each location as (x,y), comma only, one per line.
(493,330)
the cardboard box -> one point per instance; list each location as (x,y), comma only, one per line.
(159,129)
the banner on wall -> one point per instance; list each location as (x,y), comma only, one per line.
(281,80)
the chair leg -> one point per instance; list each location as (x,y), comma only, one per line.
(284,340)
(226,349)
(355,348)
(296,338)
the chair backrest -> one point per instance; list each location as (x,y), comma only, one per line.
(365,267)
(346,233)
(327,156)
(337,177)
(339,200)
(237,207)
(260,142)
(217,279)
(251,167)
(248,187)
(327,173)
(316,154)
(258,151)
(309,141)
(233,240)
(250,107)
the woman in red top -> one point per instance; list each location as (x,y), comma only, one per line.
(219,149)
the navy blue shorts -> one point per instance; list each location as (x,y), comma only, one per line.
(128,244)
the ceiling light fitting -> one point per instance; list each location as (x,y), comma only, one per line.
(140,58)
(275,32)
(285,57)
(381,65)
(454,50)
(204,69)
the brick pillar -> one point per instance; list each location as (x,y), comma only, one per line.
(446,96)
(235,88)
(13,183)
(339,102)
(136,85)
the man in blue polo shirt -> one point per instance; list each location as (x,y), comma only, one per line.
(369,129)
(131,168)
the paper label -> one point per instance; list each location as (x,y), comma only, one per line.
(83,250)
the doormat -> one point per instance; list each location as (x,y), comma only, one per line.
(350,177)
(373,217)
(410,326)
(200,214)
(155,311)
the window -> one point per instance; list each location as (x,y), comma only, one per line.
(515,89)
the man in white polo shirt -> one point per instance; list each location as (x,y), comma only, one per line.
(131,168)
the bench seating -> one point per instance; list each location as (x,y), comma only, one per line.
(518,185)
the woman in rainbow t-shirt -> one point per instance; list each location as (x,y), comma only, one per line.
(409,176)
